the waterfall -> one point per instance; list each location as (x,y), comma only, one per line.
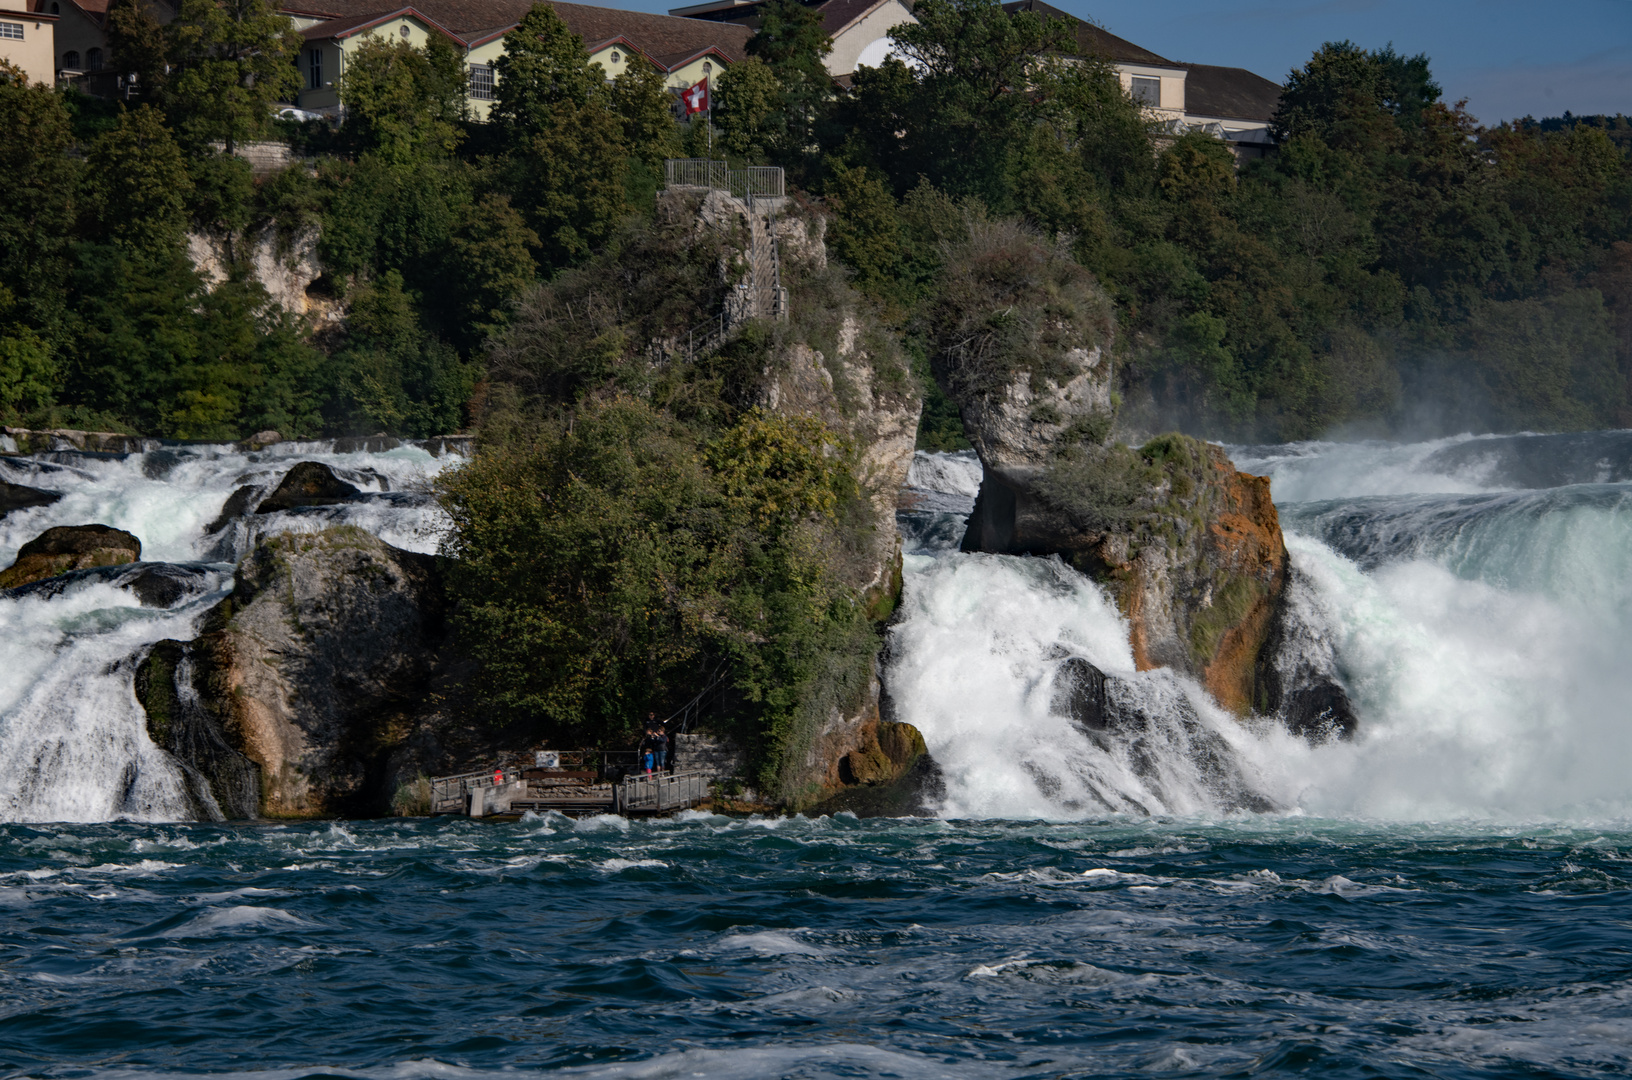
(73,739)
(1473,594)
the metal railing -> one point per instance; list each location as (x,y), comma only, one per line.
(449,791)
(657,792)
(755,181)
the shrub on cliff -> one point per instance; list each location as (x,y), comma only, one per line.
(612,562)
(1010,301)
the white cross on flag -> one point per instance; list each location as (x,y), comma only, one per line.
(696,97)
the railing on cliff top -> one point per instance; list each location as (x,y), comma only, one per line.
(761,189)
(754,182)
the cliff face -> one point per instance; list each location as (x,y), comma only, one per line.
(324,677)
(833,360)
(1190,548)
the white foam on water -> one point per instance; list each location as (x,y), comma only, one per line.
(235,919)
(1484,647)
(973,662)
(1475,701)
(73,739)
(955,473)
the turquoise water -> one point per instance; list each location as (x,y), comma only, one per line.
(1266,945)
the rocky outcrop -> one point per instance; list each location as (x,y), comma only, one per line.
(222,784)
(1108,709)
(1190,548)
(310,483)
(70,547)
(28,441)
(23,497)
(328,669)
(287,265)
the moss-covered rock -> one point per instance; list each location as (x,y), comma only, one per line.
(70,547)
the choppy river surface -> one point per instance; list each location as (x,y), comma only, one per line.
(829,948)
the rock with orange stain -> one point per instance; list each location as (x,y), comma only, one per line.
(1190,549)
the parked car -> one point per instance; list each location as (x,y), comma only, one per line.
(299,115)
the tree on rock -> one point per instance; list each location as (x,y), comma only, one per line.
(231,60)
(568,156)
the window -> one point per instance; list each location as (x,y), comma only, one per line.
(11,30)
(481,82)
(707,67)
(93,60)
(1147,91)
(56,9)
(70,60)
(314,64)
(615,56)
(404,29)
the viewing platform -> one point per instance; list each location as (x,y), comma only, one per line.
(571,788)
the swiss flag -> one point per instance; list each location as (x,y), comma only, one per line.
(696,97)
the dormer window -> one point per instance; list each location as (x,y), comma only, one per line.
(1147,91)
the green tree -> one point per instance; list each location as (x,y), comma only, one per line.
(974,70)
(490,264)
(791,42)
(139,45)
(28,370)
(748,109)
(138,185)
(567,158)
(640,98)
(231,60)
(41,182)
(403,102)
(866,230)
(394,374)
(544,66)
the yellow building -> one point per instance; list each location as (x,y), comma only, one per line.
(28,41)
(685,50)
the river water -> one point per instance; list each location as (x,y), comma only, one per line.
(1447,895)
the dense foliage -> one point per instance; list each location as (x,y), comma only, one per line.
(136,241)
(638,535)
(641,533)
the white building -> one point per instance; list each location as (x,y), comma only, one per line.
(1232,103)
(684,50)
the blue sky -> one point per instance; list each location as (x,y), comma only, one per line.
(1507,57)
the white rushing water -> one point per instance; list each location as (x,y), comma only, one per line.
(73,740)
(1475,596)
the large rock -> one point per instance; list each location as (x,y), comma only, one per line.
(1190,548)
(310,483)
(27,441)
(23,497)
(316,670)
(70,547)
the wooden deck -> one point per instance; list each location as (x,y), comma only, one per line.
(576,793)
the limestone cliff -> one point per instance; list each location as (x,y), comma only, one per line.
(326,674)
(824,353)
(1190,549)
